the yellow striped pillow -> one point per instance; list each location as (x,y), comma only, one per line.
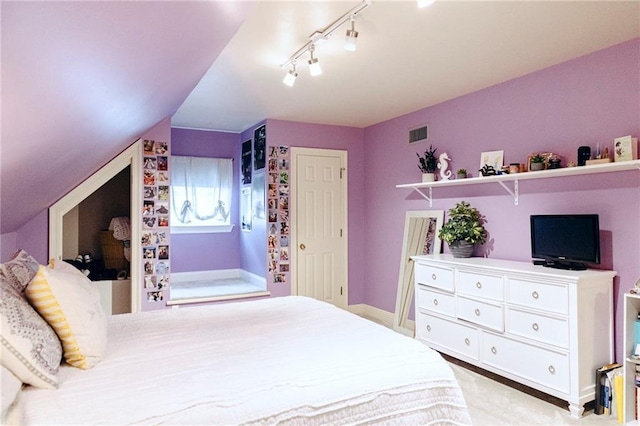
(70,303)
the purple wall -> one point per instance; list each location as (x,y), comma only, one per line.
(585,101)
(293,134)
(253,244)
(204,252)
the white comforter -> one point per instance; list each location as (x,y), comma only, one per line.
(289,360)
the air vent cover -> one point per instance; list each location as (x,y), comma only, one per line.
(418,134)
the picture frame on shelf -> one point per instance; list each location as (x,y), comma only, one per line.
(625,148)
(492,159)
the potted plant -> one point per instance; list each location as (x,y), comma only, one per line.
(463,230)
(428,163)
(537,162)
(462,173)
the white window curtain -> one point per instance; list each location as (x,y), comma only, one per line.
(201,190)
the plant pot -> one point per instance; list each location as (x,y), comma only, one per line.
(462,175)
(536,166)
(461,249)
(428,177)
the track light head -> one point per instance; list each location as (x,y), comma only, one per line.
(425,3)
(290,78)
(352,36)
(314,65)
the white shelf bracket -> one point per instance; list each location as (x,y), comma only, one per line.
(515,193)
(429,197)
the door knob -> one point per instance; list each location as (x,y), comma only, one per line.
(302,247)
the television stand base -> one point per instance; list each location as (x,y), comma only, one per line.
(571,266)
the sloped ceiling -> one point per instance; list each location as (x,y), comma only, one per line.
(83,80)
(406,59)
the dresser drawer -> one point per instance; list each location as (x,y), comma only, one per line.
(435,301)
(434,276)
(481,285)
(546,297)
(449,335)
(554,331)
(539,366)
(481,313)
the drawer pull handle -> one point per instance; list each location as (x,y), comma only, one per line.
(494,350)
(429,328)
(535,326)
(434,277)
(477,312)
(479,285)
(435,302)
(467,341)
(552,369)
(535,295)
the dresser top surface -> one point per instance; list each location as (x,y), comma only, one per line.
(509,266)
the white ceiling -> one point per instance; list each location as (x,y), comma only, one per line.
(407,58)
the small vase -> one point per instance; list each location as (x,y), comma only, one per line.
(462,175)
(461,249)
(428,177)
(536,166)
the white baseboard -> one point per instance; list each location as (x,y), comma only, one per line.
(219,274)
(378,315)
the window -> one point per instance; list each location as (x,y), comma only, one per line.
(201,191)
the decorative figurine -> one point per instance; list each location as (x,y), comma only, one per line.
(443,164)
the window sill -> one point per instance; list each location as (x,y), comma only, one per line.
(178,302)
(201,229)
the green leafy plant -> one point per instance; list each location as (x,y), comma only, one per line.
(428,163)
(465,223)
(538,158)
(462,172)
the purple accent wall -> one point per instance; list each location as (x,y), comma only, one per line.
(204,252)
(253,244)
(586,101)
(343,138)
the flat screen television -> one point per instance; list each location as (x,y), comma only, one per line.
(565,241)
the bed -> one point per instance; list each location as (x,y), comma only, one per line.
(286,360)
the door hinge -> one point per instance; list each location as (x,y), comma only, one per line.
(340,290)
(342,169)
(341,232)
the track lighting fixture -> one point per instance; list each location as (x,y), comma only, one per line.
(314,65)
(351,37)
(425,3)
(290,78)
(321,35)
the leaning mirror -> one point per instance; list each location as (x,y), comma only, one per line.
(420,238)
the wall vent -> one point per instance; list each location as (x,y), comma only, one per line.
(419,134)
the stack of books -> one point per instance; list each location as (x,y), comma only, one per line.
(609,391)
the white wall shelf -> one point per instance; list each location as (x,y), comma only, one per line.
(505,179)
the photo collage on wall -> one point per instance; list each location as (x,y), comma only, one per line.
(155,221)
(245,190)
(278,231)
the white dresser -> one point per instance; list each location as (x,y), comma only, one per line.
(545,328)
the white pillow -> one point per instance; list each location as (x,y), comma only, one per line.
(70,303)
(30,348)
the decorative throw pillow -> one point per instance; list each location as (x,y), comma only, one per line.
(30,348)
(70,303)
(20,270)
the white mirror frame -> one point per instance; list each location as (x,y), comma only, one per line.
(420,238)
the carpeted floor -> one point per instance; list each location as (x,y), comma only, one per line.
(492,403)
